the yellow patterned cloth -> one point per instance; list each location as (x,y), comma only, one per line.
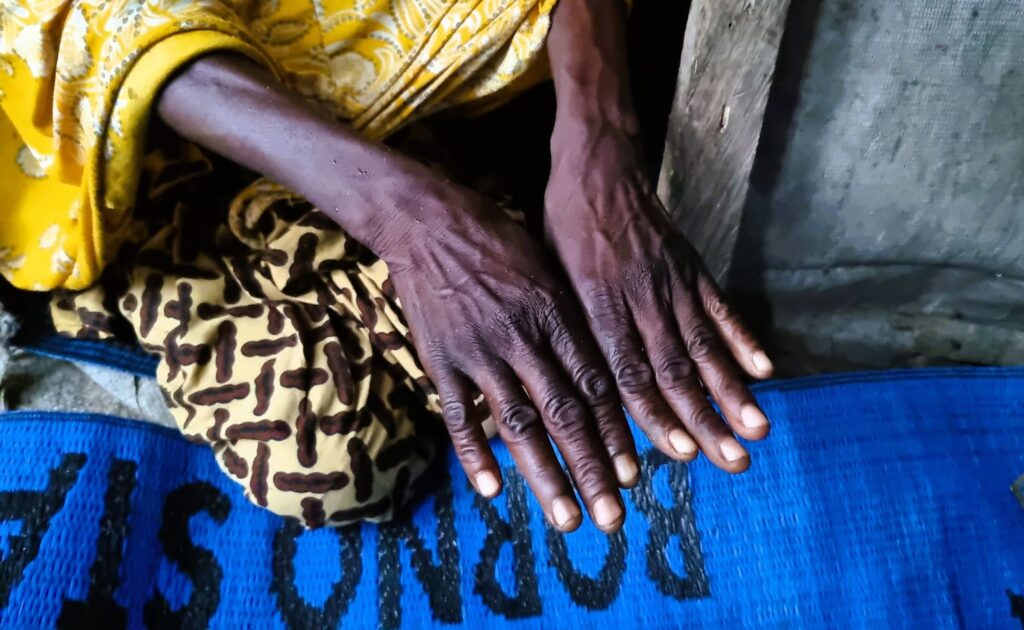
(78,78)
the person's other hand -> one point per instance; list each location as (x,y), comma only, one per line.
(660,320)
(486,313)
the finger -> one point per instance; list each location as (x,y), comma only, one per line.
(719,373)
(589,375)
(569,424)
(618,339)
(522,430)
(468,436)
(741,342)
(676,376)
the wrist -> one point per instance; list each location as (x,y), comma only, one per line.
(594,102)
(597,171)
(595,124)
(595,153)
(407,215)
(391,206)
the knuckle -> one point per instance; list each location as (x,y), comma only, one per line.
(718,308)
(602,304)
(684,388)
(526,320)
(589,473)
(675,372)
(701,342)
(594,385)
(547,312)
(561,339)
(469,451)
(455,415)
(552,318)
(633,376)
(521,421)
(563,413)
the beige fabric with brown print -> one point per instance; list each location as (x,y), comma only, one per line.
(282,346)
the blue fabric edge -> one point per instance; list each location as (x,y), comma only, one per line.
(102,353)
(88,418)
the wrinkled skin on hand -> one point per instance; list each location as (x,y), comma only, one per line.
(662,324)
(485,308)
(486,313)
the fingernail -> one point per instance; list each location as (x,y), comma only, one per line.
(682,443)
(607,511)
(625,469)
(761,362)
(487,484)
(731,450)
(564,510)
(752,417)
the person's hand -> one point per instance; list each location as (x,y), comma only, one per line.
(660,320)
(486,313)
(483,305)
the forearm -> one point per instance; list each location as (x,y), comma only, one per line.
(587,49)
(238,110)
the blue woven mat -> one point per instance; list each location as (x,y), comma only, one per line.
(879,501)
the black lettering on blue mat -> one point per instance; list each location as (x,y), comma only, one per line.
(677,521)
(297,613)
(99,606)
(593,593)
(198,563)
(515,532)
(1016,606)
(436,567)
(35,510)
(440,582)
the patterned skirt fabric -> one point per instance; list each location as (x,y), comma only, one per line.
(282,346)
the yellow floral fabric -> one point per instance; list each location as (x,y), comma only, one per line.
(78,78)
